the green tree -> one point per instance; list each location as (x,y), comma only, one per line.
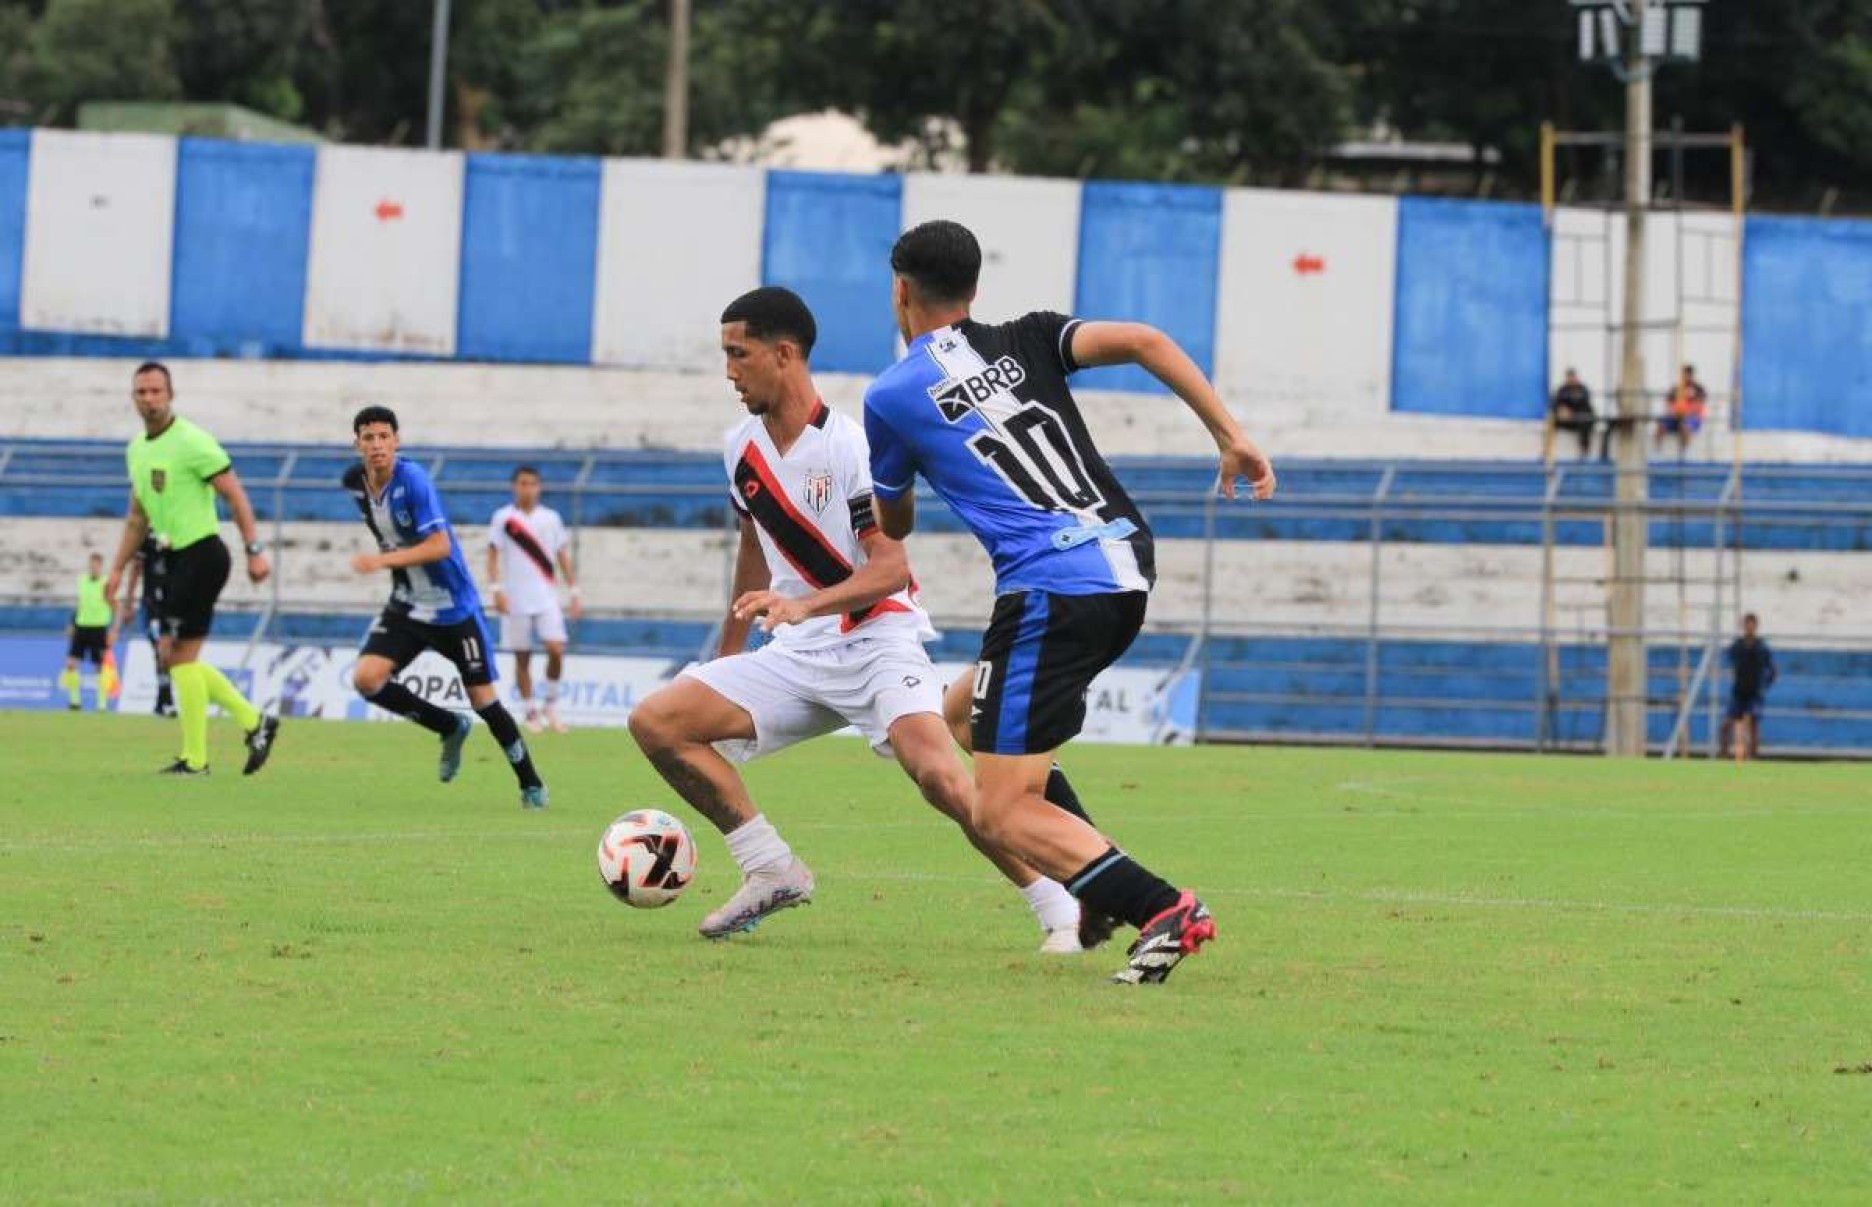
(100,50)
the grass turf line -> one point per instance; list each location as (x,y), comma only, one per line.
(1439,976)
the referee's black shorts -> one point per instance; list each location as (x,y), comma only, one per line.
(188,582)
(1038,658)
(88,643)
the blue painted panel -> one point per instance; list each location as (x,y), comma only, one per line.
(1471,332)
(15,154)
(529,258)
(243,223)
(1807,325)
(1150,253)
(828,238)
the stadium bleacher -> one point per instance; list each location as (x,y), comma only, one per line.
(1257,685)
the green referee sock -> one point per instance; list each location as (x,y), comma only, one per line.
(191,697)
(223,693)
(73,683)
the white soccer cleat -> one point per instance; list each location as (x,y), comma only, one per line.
(1061,941)
(533,722)
(553,719)
(763,892)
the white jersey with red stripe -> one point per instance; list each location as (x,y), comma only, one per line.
(810,506)
(528,543)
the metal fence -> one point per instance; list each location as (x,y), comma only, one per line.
(1709,519)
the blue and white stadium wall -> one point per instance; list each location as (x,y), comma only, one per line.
(130,245)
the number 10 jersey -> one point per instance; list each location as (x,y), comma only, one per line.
(985,415)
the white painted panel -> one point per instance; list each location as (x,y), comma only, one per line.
(385,262)
(676,243)
(1304,310)
(1689,317)
(100,211)
(1028,230)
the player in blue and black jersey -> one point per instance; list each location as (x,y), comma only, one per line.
(433,605)
(984,413)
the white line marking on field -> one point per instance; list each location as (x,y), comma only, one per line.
(1326,897)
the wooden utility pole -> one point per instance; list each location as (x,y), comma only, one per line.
(676,85)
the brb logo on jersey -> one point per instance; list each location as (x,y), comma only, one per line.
(960,395)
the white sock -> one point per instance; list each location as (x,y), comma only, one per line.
(756,844)
(1052,904)
(552,692)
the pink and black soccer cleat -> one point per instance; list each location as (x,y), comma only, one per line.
(1163,941)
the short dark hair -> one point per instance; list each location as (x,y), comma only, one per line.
(374,414)
(521,471)
(1750,618)
(941,260)
(774,312)
(155,366)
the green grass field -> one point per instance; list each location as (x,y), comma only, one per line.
(1439,977)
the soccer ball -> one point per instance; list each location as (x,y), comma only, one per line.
(646,858)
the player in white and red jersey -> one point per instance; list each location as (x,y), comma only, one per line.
(848,632)
(528,552)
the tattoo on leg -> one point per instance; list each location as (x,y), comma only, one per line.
(701,793)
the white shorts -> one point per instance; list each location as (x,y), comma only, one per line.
(795,695)
(521,630)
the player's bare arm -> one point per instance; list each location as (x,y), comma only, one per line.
(227,484)
(1102,343)
(434,548)
(886,571)
(574,608)
(493,573)
(896,517)
(136,528)
(750,575)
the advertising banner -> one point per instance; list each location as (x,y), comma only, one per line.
(1127,705)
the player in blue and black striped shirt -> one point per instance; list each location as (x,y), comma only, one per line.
(984,413)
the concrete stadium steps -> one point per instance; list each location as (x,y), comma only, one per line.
(1299,586)
(312,401)
(1429,502)
(1471,693)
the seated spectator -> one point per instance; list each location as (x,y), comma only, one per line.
(1683,416)
(1573,411)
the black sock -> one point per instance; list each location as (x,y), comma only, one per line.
(394,697)
(1117,885)
(165,700)
(500,723)
(1059,792)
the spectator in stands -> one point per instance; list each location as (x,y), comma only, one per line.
(1752,671)
(1573,412)
(1683,416)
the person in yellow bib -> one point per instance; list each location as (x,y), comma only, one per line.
(88,637)
(176,472)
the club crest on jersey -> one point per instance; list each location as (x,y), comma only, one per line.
(404,518)
(818,490)
(158,478)
(957,396)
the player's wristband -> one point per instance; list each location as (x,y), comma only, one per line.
(573,592)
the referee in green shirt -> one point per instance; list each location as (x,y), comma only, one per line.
(88,636)
(176,470)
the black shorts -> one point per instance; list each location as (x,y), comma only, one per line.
(465,643)
(1038,657)
(187,584)
(1745,705)
(89,644)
